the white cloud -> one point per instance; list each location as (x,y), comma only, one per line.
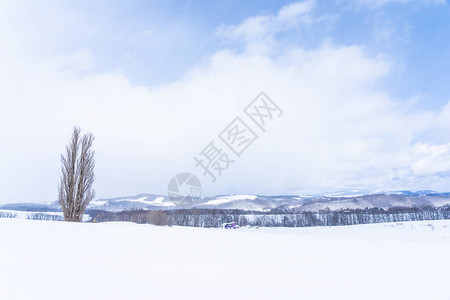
(295,12)
(337,132)
(431,159)
(263,27)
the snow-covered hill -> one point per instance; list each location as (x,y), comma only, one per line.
(151,201)
(259,203)
(145,201)
(385,201)
(43,260)
(264,203)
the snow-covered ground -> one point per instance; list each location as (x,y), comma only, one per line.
(59,260)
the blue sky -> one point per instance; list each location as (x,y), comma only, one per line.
(364,86)
(158,41)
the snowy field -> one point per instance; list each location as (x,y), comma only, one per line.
(58,260)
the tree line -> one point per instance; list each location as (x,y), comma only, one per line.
(273,218)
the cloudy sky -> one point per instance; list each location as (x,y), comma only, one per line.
(364,87)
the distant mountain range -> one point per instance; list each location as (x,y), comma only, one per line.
(258,203)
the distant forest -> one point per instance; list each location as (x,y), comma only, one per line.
(273,218)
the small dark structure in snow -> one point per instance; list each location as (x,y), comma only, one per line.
(231,225)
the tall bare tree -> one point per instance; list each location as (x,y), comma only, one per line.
(77,165)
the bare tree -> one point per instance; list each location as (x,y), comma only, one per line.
(77,166)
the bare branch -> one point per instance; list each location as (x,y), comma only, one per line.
(77,166)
